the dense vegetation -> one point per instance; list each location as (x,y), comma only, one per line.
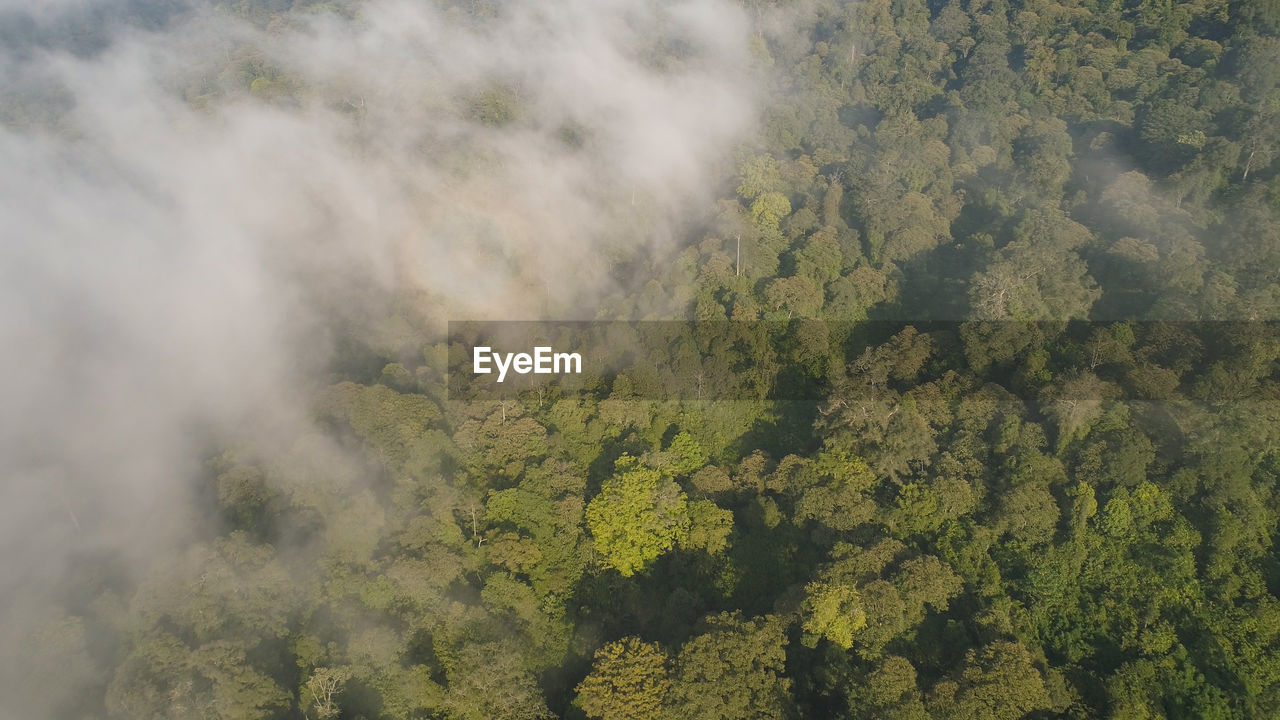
(1003,519)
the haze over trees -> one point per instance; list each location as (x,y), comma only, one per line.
(1005,277)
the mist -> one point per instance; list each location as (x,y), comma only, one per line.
(193,208)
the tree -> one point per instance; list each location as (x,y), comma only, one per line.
(1075,404)
(759,175)
(1038,276)
(319,695)
(834,492)
(998,681)
(889,692)
(1042,157)
(886,618)
(638,515)
(833,612)
(629,680)
(488,682)
(735,670)
(797,296)
(1029,513)
(709,527)
(162,678)
(925,580)
(769,209)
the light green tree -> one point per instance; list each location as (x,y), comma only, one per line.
(832,611)
(638,515)
(769,209)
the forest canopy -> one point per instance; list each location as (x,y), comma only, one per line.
(990,426)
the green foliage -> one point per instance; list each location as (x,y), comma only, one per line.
(488,683)
(997,681)
(768,210)
(630,680)
(709,527)
(734,670)
(890,691)
(688,454)
(637,516)
(833,612)
(1017,516)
